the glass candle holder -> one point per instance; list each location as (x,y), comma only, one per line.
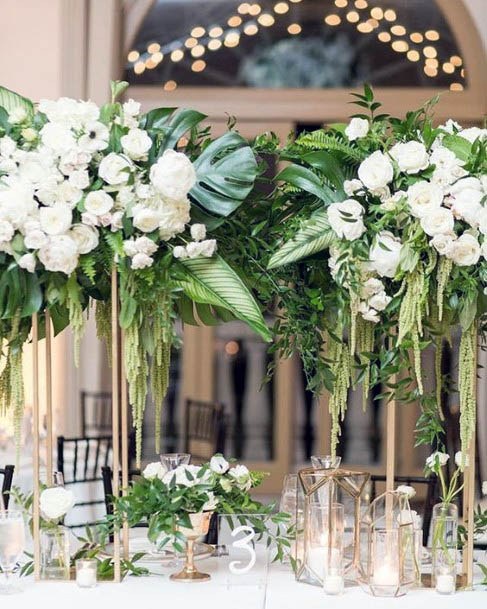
(324,543)
(55,553)
(86,569)
(444,547)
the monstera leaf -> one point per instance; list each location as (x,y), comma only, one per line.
(212,281)
(225,174)
(10,100)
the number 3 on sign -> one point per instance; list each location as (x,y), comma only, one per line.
(244,543)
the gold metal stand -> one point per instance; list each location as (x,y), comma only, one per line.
(36,457)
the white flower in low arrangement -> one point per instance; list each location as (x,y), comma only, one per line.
(35,239)
(391,203)
(376,171)
(211,504)
(411,157)
(473,133)
(136,144)
(85,237)
(461,460)
(115,169)
(242,478)
(187,475)
(60,253)
(131,107)
(219,464)
(407,490)
(424,197)
(437,460)
(154,470)
(173,176)
(346,219)
(385,254)
(55,220)
(465,250)
(56,502)
(357,128)
(6,230)
(438,221)
(352,186)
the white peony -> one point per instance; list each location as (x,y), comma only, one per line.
(136,144)
(467,206)
(98,202)
(198,232)
(346,219)
(442,243)
(115,169)
(461,460)
(141,261)
(241,475)
(28,262)
(6,230)
(55,220)
(371,287)
(406,490)
(174,216)
(59,254)
(57,137)
(376,171)
(35,239)
(154,470)
(384,255)
(85,237)
(465,251)
(438,221)
(145,219)
(423,197)
(411,157)
(379,301)
(437,460)
(473,133)
(357,128)
(173,176)
(56,502)
(219,464)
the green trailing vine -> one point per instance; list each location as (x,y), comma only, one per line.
(339,356)
(467,379)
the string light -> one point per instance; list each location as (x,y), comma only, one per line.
(377,13)
(177,55)
(341,3)
(215,32)
(214,45)
(400,46)
(154,47)
(281,8)
(390,15)
(198,66)
(198,50)
(139,67)
(448,67)
(413,55)
(373,22)
(430,52)
(170,85)
(244,8)
(232,39)
(157,57)
(150,64)
(384,37)
(353,17)
(332,20)
(431,72)
(190,43)
(432,35)
(456,86)
(133,56)
(266,20)
(255,10)
(456,60)
(431,62)
(235,21)
(294,29)
(198,31)
(398,30)
(416,37)
(251,29)
(361,4)
(364,28)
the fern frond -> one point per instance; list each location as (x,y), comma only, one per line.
(88,266)
(320,140)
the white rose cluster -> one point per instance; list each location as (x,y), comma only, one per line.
(373,299)
(199,247)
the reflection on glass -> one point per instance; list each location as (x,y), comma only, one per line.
(12,542)
(325,461)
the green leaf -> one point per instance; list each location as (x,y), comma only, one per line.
(458,145)
(212,281)
(32,295)
(304,178)
(468,311)
(225,174)
(176,125)
(329,166)
(127,310)
(117,87)
(10,100)
(314,236)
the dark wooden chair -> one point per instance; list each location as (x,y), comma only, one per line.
(8,473)
(431,498)
(205,429)
(96,413)
(107,477)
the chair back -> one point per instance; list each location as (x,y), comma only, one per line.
(96,413)
(7,473)
(431,498)
(205,429)
(107,476)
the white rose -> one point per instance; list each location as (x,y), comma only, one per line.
(74,159)
(406,490)
(98,202)
(55,220)
(35,239)
(6,230)
(384,194)
(346,219)
(198,232)
(141,261)
(442,243)
(28,262)
(438,221)
(411,157)
(368,313)
(371,287)
(376,171)
(465,251)
(85,237)
(57,137)
(67,194)
(352,186)
(211,503)
(423,197)
(437,460)
(467,206)
(174,216)
(473,133)
(469,183)
(59,254)
(443,158)
(201,248)
(146,220)
(90,219)
(154,470)
(145,245)
(79,178)
(450,126)
(357,128)
(56,502)
(115,169)
(391,203)
(241,475)
(131,107)
(385,254)
(461,460)
(180,252)
(219,464)
(379,301)
(173,176)
(136,144)
(17,203)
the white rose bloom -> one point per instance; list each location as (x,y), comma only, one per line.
(371,287)
(437,458)
(17,203)
(376,171)
(136,144)
(406,490)
(35,239)
(145,219)
(368,313)
(241,475)
(442,243)
(385,254)
(6,230)
(423,197)
(67,194)
(116,222)
(357,128)
(115,169)
(95,139)
(443,158)
(131,107)
(34,168)
(438,221)
(473,133)
(55,220)
(141,261)
(465,251)
(174,216)
(198,232)
(154,470)
(443,178)
(352,186)
(17,115)
(469,183)
(56,502)
(79,178)
(28,262)
(346,219)
(379,301)
(219,464)
(98,202)
(145,245)
(461,460)
(201,248)
(173,176)
(59,254)
(411,157)
(467,206)
(85,237)
(130,248)
(180,252)
(57,137)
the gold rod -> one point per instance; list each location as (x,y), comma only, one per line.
(125,448)
(49,438)
(36,456)
(115,415)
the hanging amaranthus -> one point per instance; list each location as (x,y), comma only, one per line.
(103,320)
(467,377)
(161,359)
(444,268)
(365,346)
(339,354)
(11,380)
(75,311)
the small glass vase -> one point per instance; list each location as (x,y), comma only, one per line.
(55,555)
(444,547)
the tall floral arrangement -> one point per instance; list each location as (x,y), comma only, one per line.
(84,189)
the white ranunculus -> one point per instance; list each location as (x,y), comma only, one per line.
(174,217)
(346,219)
(57,137)
(98,202)
(136,144)
(379,301)
(411,157)
(173,176)
(473,133)
(131,107)
(423,197)
(141,261)
(211,503)
(219,464)
(145,245)
(385,253)
(145,219)
(357,128)
(467,206)
(438,221)
(371,287)
(28,262)
(85,237)
(461,460)
(198,232)
(115,169)
(437,460)
(59,254)
(465,251)
(56,502)
(154,470)
(6,230)
(442,243)
(35,239)
(180,252)
(376,171)
(55,220)
(406,490)
(79,178)
(96,137)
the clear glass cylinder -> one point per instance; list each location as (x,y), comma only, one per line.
(444,547)
(55,555)
(86,570)
(386,575)
(324,543)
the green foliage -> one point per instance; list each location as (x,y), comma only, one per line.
(9,100)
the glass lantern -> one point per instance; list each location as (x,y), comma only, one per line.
(388,562)
(327,523)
